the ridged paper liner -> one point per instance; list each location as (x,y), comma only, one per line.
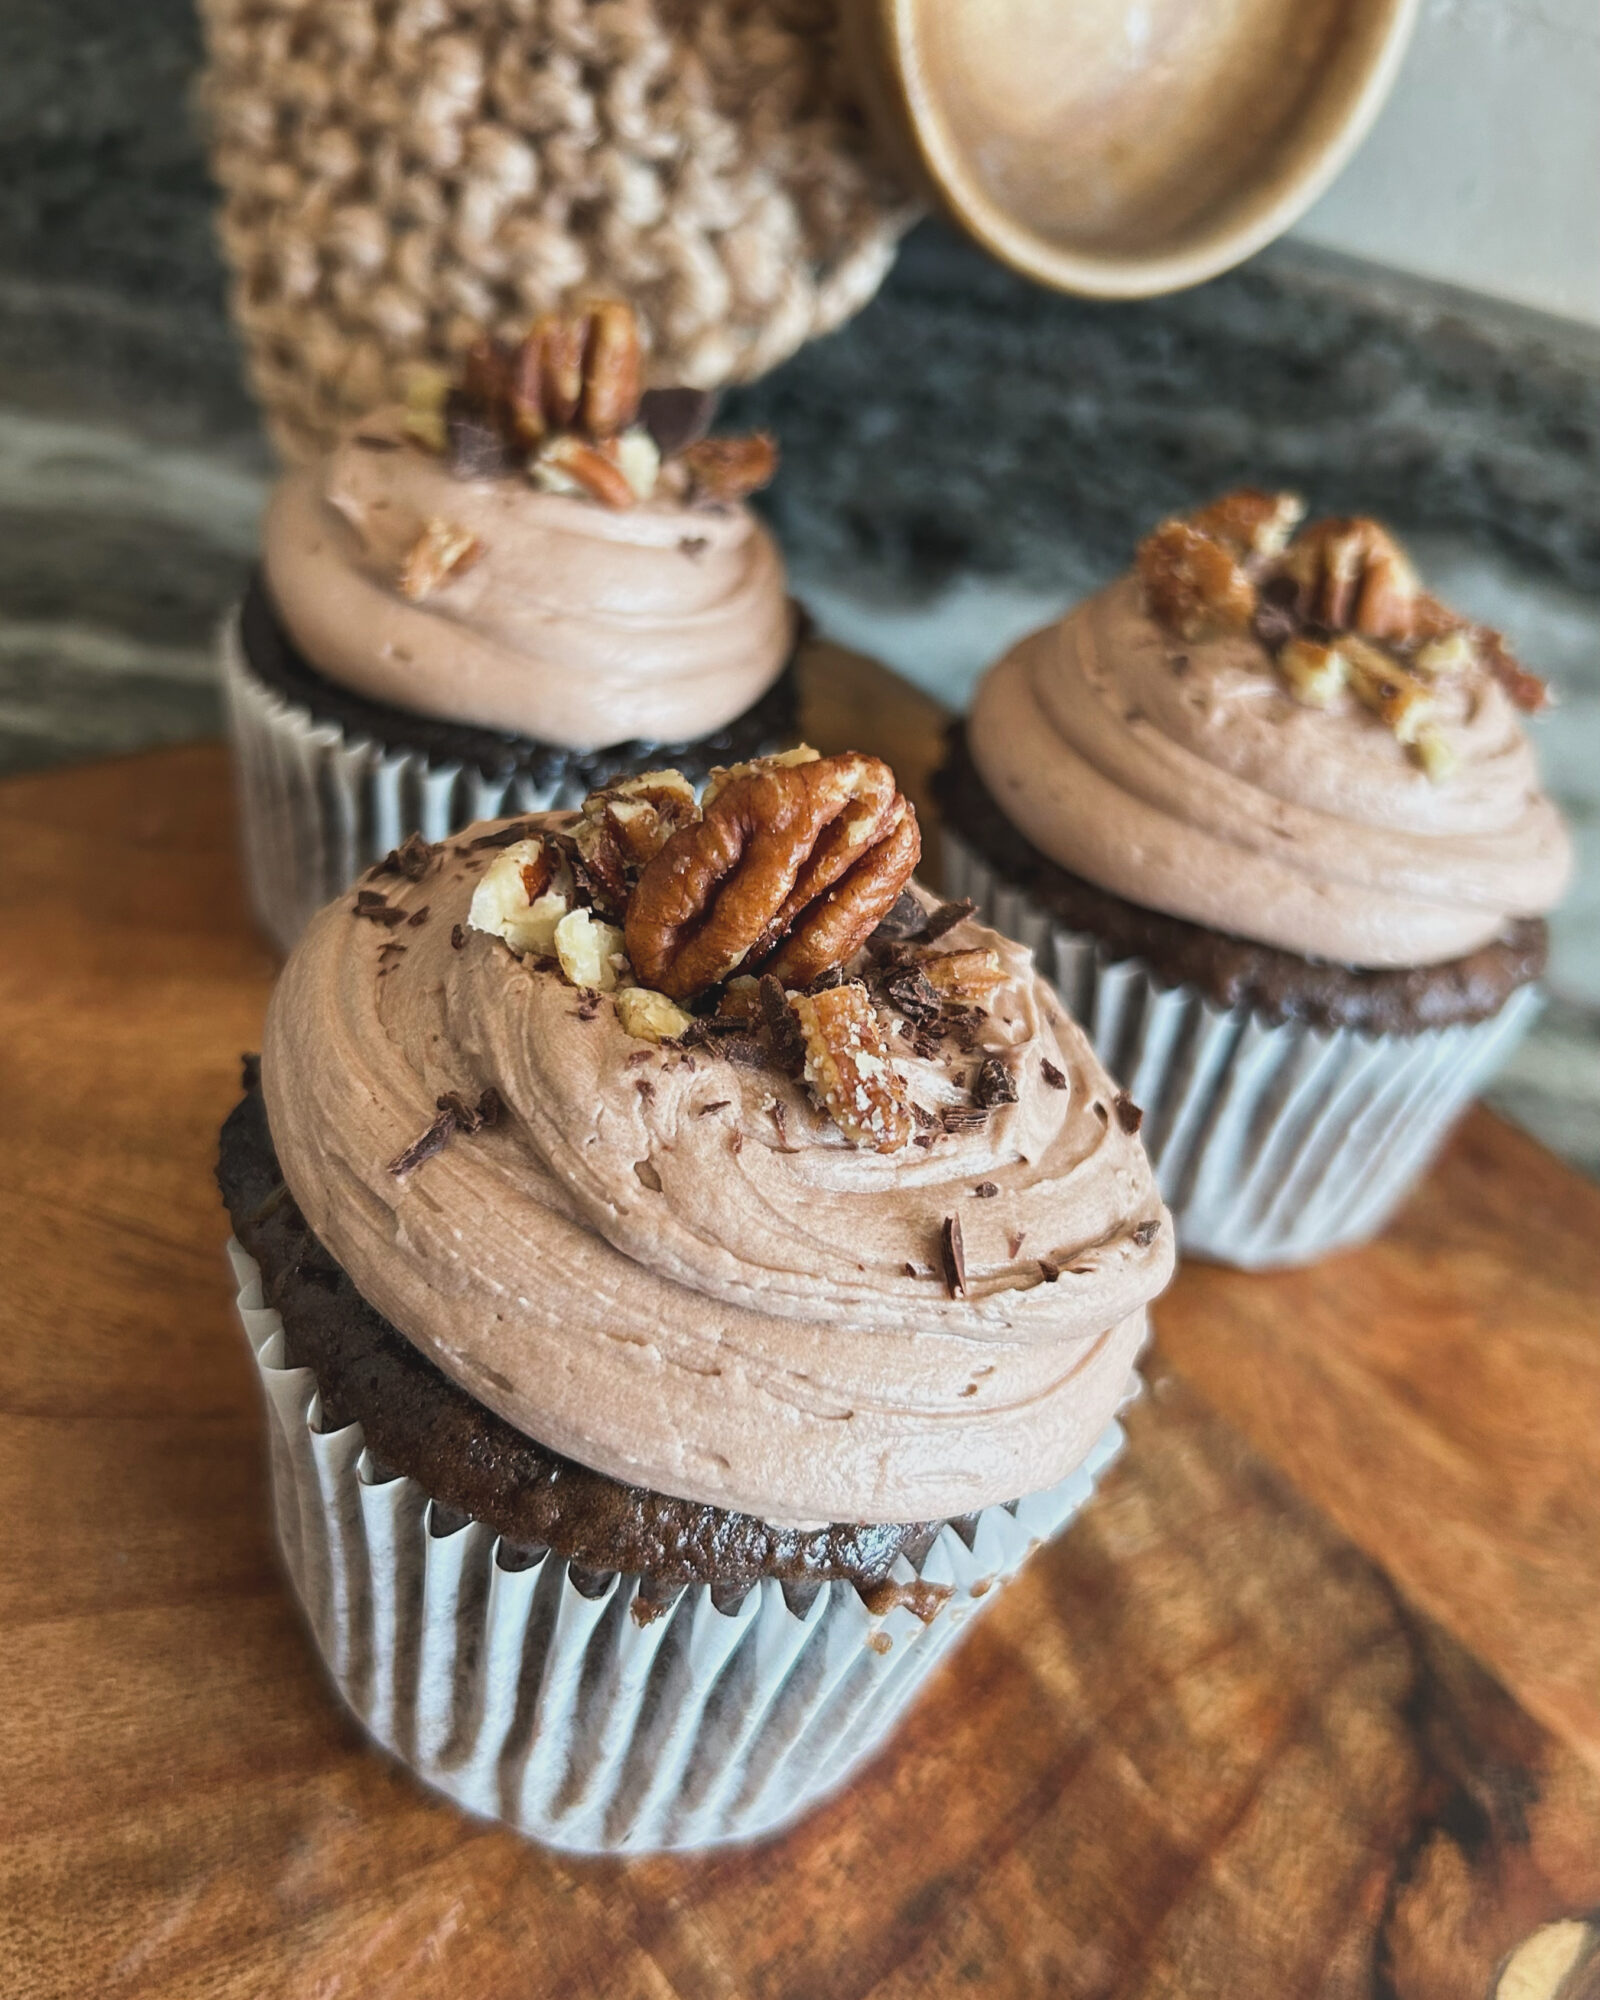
(319,805)
(1271,1144)
(523,1699)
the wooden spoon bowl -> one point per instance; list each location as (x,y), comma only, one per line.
(1119,148)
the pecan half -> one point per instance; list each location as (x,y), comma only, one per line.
(1353,576)
(847,1067)
(791,867)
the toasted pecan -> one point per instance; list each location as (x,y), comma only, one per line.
(726,469)
(1193,584)
(793,865)
(847,1067)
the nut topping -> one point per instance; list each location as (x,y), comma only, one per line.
(847,1067)
(1193,584)
(441,551)
(567,402)
(791,866)
(1338,606)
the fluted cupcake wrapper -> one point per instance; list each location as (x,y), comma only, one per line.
(1272,1144)
(567,1715)
(318,804)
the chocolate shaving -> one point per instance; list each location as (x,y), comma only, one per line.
(744,1050)
(588,1005)
(994,1083)
(1100,1112)
(505,836)
(376,910)
(965,1118)
(1145,1233)
(474,447)
(1130,1116)
(986,1190)
(924,1117)
(693,546)
(639,1056)
(903,919)
(1049,1269)
(923,1139)
(417,917)
(369,442)
(962,1028)
(646,1089)
(945,918)
(412,859)
(780,1119)
(1014,1242)
(1052,1076)
(458,937)
(716,1104)
(472,1117)
(788,1044)
(434,1140)
(1274,626)
(911,992)
(677,418)
(909,1269)
(954,1257)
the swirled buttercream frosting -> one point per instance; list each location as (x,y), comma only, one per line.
(672,1265)
(1186,776)
(574,624)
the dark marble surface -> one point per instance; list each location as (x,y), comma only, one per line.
(961,461)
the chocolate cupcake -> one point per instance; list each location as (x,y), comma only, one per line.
(662,1375)
(521,584)
(1266,811)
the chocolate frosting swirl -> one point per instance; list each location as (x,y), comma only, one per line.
(1186,778)
(577,625)
(674,1269)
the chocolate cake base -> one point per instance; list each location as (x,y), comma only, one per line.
(1234,972)
(275,659)
(472,1463)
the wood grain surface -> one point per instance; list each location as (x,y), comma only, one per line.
(1303,1705)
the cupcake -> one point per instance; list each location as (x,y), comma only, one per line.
(690,1267)
(491,600)
(1266,811)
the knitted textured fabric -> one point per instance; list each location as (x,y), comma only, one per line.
(399,174)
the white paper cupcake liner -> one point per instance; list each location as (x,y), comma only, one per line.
(561,1714)
(1271,1144)
(318,805)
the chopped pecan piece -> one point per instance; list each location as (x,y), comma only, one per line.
(963,975)
(848,1070)
(568,463)
(1193,584)
(651,1017)
(1251,523)
(729,469)
(625,824)
(1317,674)
(441,551)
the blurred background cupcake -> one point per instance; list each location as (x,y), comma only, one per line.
(530,577)
(1267,812)
(661,1376)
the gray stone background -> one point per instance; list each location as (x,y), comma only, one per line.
(959,463)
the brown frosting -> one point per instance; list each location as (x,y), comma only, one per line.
(577,625)
(1186,778)
(675,1270)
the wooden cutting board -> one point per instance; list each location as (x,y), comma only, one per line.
(1307,1703)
